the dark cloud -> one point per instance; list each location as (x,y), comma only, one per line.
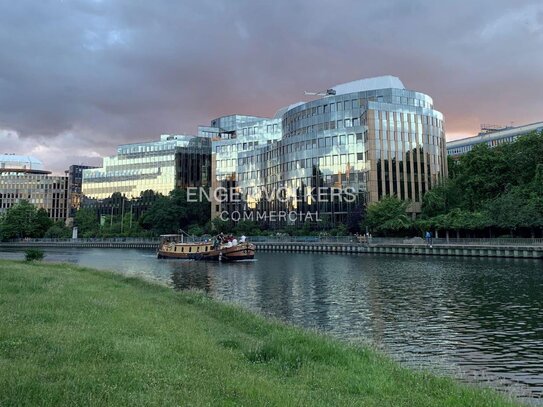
(79,77)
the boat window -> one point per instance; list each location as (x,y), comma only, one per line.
(197,248)
(182,249)
(190,249)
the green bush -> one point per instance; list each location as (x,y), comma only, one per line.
(34,254)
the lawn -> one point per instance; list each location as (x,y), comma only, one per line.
(76,336)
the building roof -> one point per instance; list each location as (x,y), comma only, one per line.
(494,135)
(20,162)
(362,85)
(285,109)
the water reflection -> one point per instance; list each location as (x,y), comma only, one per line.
(481,317)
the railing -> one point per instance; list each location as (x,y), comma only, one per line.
(90,240)
(398,240)
(303,239)
(496,241)
(378,241)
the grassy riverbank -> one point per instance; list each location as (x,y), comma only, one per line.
(76,336)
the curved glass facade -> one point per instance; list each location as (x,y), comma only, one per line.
(376,142)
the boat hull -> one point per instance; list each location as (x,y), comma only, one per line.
(243,251)
(204,252)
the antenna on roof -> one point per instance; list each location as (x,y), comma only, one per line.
(327,92)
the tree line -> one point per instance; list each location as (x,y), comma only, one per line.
(162,215)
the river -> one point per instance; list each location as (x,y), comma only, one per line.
(479,319)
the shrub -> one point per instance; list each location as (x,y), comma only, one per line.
(34,254)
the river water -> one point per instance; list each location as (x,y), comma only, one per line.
(477,319)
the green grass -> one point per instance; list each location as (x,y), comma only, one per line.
(75,336)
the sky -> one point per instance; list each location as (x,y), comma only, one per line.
(79,77)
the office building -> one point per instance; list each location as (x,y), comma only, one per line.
(160,166)
(372,136)
(24,178)
(75,182)
(492,136)
(233,135)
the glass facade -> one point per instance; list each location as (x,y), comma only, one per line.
(23,178)
(233,136)
(372,137)
(75,180)
(161,166)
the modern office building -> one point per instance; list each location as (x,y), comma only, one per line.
(24,178)
(233,135)
(75,182)
(492,136)
(160,166)
(371,136)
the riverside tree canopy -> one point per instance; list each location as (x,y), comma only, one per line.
(498,189)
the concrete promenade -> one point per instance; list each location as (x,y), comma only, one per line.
(511,248)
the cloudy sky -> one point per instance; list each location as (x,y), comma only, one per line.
(79,77)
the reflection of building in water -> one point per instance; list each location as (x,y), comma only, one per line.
(24,178)
(371,136)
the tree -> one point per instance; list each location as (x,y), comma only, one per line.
(24,220)
(491,188)
(162,217)
(483,174)
(168,214)
(388,215)
(42,222)
(516,209)
(57,231)
(221,226)
(86,220)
